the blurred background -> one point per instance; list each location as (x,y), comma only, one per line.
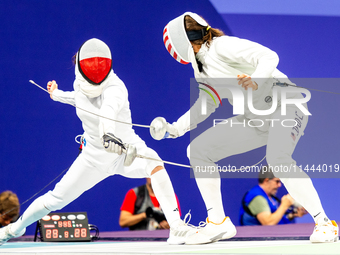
(39,38)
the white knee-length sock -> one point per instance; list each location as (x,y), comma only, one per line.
(303,191)
(210,189)
(34,212)
(165,195)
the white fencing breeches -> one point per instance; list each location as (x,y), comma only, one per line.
(225,140)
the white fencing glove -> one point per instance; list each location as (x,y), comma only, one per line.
(171,131)
(160,129)
(113,144)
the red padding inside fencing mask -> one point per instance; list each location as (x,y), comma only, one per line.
(96,69)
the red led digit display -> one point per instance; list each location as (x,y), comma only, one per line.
(83,232)
(48,233)
(66,234)
(76,232)
(55,233)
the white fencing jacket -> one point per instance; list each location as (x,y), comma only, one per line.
(111,103)
(226,58)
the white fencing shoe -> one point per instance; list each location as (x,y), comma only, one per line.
(180,230)
(6,234)
(325,231)
(212,232)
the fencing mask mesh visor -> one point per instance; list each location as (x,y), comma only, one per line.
(176,40)
(94,61)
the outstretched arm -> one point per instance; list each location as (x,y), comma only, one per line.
(201,110)
(66,97)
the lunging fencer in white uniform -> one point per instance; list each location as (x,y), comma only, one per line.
(98,90)
(251,68)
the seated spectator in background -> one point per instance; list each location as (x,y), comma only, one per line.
(260,206)
(141,210)
(9,208)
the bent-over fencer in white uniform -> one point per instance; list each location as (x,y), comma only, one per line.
(246,67)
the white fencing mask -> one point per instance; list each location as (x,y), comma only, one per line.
(176,40)
(94,61)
